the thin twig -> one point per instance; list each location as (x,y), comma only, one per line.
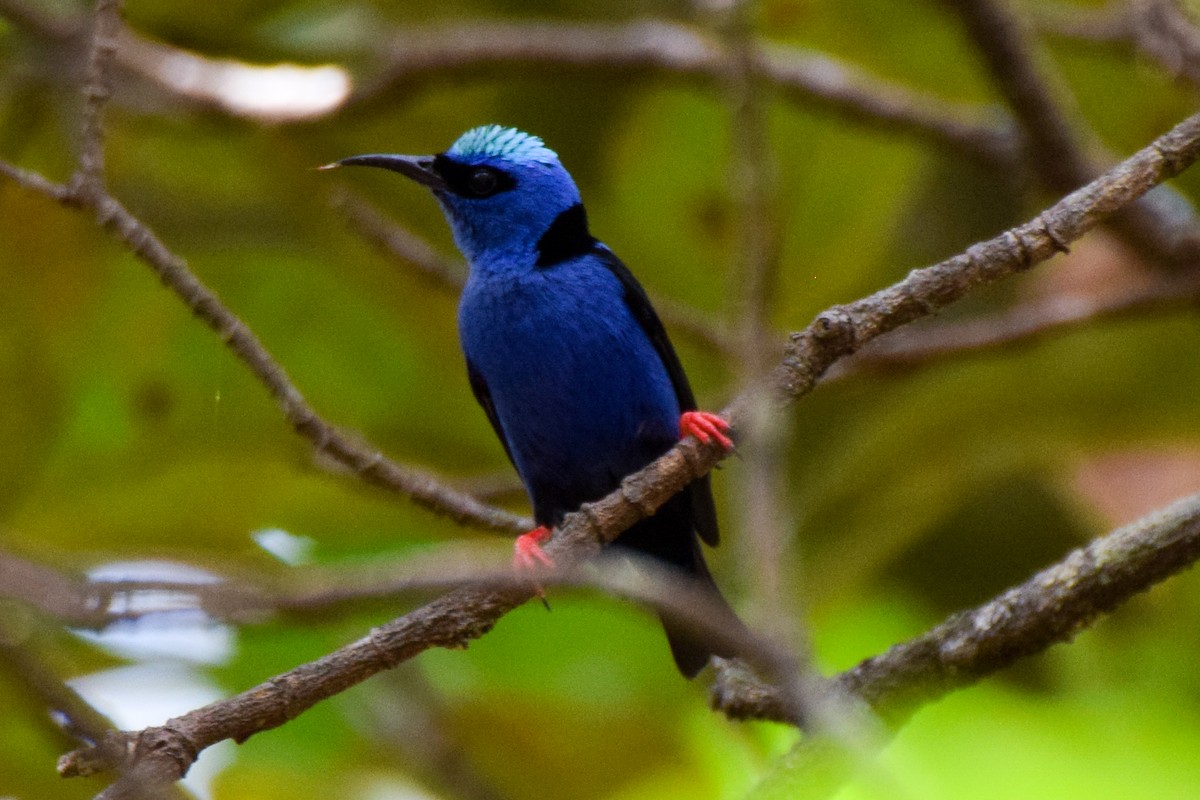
(1159,29)
(763,522)
(1055,138)
(87,191)
(1049,608)
(95,604)
(82,722)
(420,726)
(77,718)
(400,243)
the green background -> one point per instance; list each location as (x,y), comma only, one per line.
(128,431)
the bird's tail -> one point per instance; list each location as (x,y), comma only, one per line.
(690,649)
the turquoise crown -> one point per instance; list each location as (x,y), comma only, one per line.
(500,142)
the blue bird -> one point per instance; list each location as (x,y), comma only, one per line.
(565,353)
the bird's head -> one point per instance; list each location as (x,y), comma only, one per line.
(502,191)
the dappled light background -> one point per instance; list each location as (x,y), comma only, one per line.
(137,447)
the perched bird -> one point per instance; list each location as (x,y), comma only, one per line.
(565,353)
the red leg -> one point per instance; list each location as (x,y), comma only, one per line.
(527,550)
(705,426)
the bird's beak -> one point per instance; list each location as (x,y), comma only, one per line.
(419,168)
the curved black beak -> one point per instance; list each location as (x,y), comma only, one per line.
(419,168)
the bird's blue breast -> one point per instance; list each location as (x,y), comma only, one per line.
(579,391)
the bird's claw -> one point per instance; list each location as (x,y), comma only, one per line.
(529,557)
(528,554)
(705,426)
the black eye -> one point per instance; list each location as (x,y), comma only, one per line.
(482,182)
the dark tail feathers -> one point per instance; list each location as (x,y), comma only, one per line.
(691,649)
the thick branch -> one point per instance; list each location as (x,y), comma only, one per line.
(1023,324)
(1051,607)
(842,330)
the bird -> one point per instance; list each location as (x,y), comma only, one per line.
(567,356)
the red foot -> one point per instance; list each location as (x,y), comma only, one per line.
(527,550)
(705,426)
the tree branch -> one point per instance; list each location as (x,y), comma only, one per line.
(77,718)
(36,20)
(422,54)
(1023,324)
(763,529)
(367,463)
(1051,607)
(842,330)
(161,755)
(82,722)
(88,181)
(1058,144)
(1164,31)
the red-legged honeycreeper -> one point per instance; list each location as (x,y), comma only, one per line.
(565,353)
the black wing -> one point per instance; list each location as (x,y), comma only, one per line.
(703,509)
(479,388)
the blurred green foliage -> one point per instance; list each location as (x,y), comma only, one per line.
(130,432)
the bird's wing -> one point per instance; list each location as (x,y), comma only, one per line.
(647,317)
(703,508)
(479,388)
